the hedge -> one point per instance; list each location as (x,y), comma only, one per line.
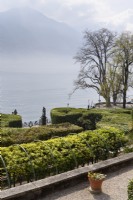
(11,120)
(11,136)
(79,116)
(88,120)
(61,154)
(130,190)
(61,115)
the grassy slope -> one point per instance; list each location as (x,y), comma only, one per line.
(119,118)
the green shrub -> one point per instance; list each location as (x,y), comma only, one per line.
(128,149)
(88,120)
(130,190)
(61,115)
(62,153)
(11,120)
(81,117)
(15,124)
(11,136)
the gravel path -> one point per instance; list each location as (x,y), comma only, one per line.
(114,188)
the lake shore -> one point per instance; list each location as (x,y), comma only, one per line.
(118,105)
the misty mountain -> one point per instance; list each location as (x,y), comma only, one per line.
(24,30)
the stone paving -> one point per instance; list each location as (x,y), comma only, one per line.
(114,188)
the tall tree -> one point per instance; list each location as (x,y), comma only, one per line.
(124,56)
(114,77)
(94,57)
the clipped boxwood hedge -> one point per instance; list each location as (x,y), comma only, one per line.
(11,136)
(61,154)
(11,120)
(79,116)
(88,120)
(61,115)
(130,190)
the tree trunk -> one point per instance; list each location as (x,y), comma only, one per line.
(124,98)
(114,99)
(125,83)
(108,104)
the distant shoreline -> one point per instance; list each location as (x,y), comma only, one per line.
(118,105)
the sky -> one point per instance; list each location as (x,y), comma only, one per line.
(82,14)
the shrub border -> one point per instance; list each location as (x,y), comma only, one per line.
(43,187)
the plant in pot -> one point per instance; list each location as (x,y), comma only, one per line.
(96,179)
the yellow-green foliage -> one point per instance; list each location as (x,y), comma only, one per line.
(62,153)
(11,136)
(79,116)
(60,115)
(119,118)
(130,190)
(11,120)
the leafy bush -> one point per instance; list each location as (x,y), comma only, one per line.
(61,154)
(88,121)
(11,120)
(119,118)
(16,123)
(11,136)
(128,149)
(130,136)
(130,190)
(81,117)
(61,115)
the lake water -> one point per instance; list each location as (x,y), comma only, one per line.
(30,92)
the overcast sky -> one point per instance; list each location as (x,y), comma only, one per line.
(82,13)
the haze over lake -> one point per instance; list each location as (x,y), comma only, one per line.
(37,67)
(28,93)
(36,62)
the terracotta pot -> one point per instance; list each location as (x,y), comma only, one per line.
(96,185)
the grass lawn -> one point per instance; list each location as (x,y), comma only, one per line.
(119,118)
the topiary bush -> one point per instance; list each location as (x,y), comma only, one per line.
(130,190)
(16,123)
(88,121)
(61,115)
(11,120)
(81,117)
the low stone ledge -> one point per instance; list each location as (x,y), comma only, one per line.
(40,188)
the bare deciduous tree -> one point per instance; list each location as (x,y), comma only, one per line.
(94,57)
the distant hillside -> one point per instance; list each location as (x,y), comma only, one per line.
(24,30)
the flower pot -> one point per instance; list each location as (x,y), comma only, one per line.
(95,185)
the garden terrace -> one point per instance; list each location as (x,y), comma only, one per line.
(114,117)
(41,159)
(74,185)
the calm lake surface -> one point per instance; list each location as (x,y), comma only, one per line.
(29,93)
